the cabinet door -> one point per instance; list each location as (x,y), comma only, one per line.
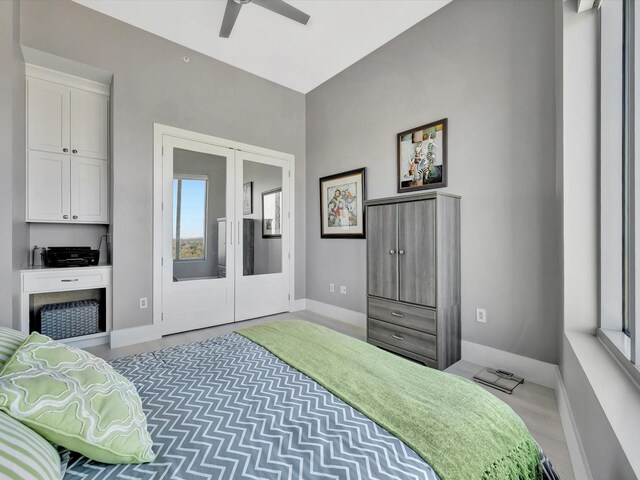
(89,124)
(48,106)
(48,187)
(382,247)
(89,185)
(417,252)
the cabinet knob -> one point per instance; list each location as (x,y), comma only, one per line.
(392,252)
(65,216)
(401,252)
(65,150)
(74,151)
(75,217)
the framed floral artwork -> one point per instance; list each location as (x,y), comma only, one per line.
(342,205)
(422,157)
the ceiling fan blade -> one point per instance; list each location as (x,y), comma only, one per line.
(284,9)
(229,20)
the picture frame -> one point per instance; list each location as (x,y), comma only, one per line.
(272,213)
(422,157)
(342,212)
(247,198)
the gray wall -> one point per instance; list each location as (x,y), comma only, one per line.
(152,84)
(215,167)
(489,67)
(13,237)
(267,256)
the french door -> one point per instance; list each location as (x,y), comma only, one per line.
(225,235)
(262,271)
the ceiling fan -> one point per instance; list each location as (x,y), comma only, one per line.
(277,6)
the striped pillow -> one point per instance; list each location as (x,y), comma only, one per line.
(10,340)
(25,454)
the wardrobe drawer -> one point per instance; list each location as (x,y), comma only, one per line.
(417,318)
(408,339)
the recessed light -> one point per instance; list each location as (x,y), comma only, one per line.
(186,59)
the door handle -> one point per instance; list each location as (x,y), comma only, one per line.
(238,233)
(231,233)
(65,216)
(397,337)
(396,314)
(69,280)
(392,252)
(401,252)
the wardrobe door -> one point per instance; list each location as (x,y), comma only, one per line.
(48,187)
(48,116)
(382,251)
(89,124)
(417,252)
(89,190)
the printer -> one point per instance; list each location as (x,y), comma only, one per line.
(71,257)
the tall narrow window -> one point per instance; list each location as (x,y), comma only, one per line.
(190,217)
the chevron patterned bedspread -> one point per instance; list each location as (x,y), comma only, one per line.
(226,408)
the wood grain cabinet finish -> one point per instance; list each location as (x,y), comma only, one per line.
(413,276)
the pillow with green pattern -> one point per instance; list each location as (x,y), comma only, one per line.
(75,400)
(25,454)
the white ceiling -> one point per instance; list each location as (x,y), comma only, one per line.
(340,32)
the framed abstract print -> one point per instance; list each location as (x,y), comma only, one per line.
(422,157)
(342,205)
(247,198)
(272,213)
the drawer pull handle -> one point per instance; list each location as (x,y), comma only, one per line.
(69,280)
(396,314)
(397,337)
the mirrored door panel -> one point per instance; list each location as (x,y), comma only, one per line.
(198,285)
(199,208)
(262,252)
(262,218)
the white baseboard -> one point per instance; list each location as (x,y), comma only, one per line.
(577,455)
(531,369)
(130,336)
(297,305)
(338,313)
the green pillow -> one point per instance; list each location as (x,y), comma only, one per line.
(75,400)
(25,454)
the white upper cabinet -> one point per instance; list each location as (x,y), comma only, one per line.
(48,111)
(88,195)
(89,124)
(67,148)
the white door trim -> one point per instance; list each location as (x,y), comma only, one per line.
(159,131)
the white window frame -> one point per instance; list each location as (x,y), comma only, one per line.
(180,177)
(619,185)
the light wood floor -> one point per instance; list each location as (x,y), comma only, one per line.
(535,404)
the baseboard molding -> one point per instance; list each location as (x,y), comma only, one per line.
(338,313)
(531,369)
(297,305)
(577,454)
(130,336)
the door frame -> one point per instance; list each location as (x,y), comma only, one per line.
(159,131)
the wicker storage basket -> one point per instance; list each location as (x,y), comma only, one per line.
(71,319)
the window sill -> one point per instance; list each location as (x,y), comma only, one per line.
(619,345)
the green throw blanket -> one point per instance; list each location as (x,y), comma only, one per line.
(458,428)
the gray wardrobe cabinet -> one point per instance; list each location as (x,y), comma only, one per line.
(413,276)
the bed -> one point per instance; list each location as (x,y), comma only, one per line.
(248,405)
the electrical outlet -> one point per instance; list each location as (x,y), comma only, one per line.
(343,290)
(143,302)
(481,315)
(332,287)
